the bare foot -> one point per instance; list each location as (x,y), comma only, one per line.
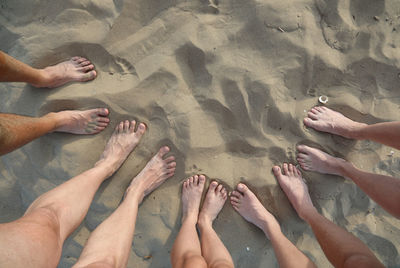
(326,120)
(213,203)
(249,207)
(76,69)
(295,189)
(312,159)
(153,175)
(121,144)
(81,122)
(192,190)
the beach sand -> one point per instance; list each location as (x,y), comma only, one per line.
(226,86)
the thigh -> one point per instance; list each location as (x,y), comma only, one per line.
(31,241)
(194,261)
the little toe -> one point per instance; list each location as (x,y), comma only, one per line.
(121,127)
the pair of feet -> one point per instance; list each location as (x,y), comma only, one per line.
(243,199)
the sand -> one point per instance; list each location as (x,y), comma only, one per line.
(226,87)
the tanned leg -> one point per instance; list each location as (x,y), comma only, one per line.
(36,239)
(186,252)
(17,130)
(384,190)
(110,243)
(76,69)
(326,120)
(212,248)
(340,247)
(246,204)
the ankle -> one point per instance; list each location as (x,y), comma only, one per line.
(134,193)
(357,131)
(204,221)
(43,78)
(55,119)
(308,214)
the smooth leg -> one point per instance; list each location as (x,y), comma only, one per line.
(76,69)
(212,248)
(384,190)
(110,243)
(186,251)
(326,120)
(36,239)
(17,130)
(246,204)
(340,247)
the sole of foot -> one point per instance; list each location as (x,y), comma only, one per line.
(324,119)
(121,143)
(213,203)
(157,170)
(77,69)
(245,202)
(81,122)
(291,182)
(312,159)
(192,190)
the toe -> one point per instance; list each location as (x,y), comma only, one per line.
(290,169)
(202,179)
(121,127)
(277,172)
(236,194)
(102,119)
(219,188)
(309,122)
(126,126)
(102,112)
(164,150)
(213,185)
(312,115)
(285,169)
(80,60)
(102,124)
(185,184)
(196,180)
(84,63)
(87,76)
(235,199)
(172,165)
(169,159)
(86,68)
(191,179)
(132,126)
(242,188)
(141,129)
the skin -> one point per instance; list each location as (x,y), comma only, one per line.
(250,208)
(77,69)
(187,250)
(384,190)
(340,247)
(17,130)
(36,239)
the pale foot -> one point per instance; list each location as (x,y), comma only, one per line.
(153,175)
(81,122)
(312,159)
(75,69)
(295,189)
(326,120)
(213,203)
(249,207)
(121,144)
(192,190)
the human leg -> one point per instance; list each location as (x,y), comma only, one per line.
(110,243)
(186,251)
(212,248)
(36,239)
(246,204)
(384,190)
(76,69)
(326,120)
(340,247)
(17,130)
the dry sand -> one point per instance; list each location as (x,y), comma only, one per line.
(227,88)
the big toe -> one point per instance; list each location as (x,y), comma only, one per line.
(213,185)
(87,76)
(277,172)
(102,111)
(163,151)
(309,122)
(202,179)
(141,129)
(242,188)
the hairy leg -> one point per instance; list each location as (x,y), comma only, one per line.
(186,251)
(212,248)
(246,204)
(17,130)
(340,247)
(36,239)
(384,190)
(326,120)
(110,243)
(76,69)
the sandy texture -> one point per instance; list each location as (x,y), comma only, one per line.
(227,88)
